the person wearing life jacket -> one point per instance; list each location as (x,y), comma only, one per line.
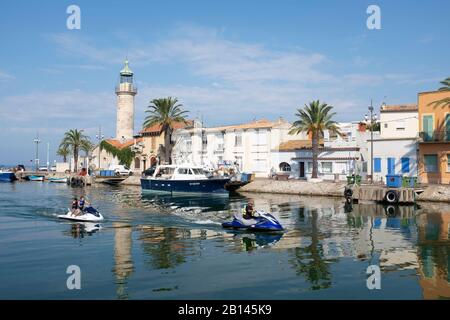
(75,208)
(248,212)
(81,203)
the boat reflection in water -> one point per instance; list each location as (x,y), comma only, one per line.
(80,230)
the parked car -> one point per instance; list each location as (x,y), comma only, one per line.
(20,167)
(43,169)
(53,168)
(121,170)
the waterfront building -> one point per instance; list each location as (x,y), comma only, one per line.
(247,146)
(395,146)
(434,142)
(149,152)
(338,156)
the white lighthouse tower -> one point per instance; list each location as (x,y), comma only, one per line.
(125,92)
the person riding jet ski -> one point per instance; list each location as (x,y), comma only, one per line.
(249,211)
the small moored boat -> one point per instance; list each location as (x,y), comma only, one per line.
(57,180)
(36,178)
(183,179)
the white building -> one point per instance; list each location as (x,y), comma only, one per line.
(247,145)
(395,148)
(338,157)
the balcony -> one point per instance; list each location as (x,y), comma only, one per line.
(434,136)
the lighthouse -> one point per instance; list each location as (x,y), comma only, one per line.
(125,92)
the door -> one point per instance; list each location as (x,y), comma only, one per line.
(302,169)
(391,166)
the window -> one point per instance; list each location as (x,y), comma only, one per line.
(385,125)
(427,124)
(400,129)
(327,167)
(285,167)
(376,164)
(405,165)
(310,166)
(431,162)
(183,171)
(238,140)
(153,139)
(447,127)
(448,165)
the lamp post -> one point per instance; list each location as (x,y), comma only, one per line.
(373,118)
(99,137)
(36,159)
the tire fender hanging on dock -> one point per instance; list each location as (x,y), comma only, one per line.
(391,197)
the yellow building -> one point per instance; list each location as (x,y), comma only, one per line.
(151,140)
(434,142)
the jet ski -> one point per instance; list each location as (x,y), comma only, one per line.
(262,221)
(89,214)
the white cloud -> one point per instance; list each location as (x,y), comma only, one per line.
(5,76)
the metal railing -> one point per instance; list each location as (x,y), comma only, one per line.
(434,136)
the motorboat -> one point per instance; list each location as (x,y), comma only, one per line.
(89,214)
(184,179)
(7,176)
(261,221)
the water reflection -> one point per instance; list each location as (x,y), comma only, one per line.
(123,259)
(321,233)
(434,252)
(80,230)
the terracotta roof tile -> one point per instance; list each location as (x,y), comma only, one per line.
(399,107)
(117,144)
(292,145)
(257,124)
(157,127)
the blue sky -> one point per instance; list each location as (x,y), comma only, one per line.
(227,62)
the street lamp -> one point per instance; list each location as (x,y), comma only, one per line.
(372,118)
(99,137)
(36,159)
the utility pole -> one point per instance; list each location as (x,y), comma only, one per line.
(36,159)
(48,152)
(372,120)
(99,137)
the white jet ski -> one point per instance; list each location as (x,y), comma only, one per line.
(89,214)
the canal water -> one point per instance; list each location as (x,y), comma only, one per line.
(174,247)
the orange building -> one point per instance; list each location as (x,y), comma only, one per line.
(434,142)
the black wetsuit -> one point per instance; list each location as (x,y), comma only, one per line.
(248,213)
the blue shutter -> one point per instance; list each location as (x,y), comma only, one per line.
(405,165)
(391,166)
(377,164)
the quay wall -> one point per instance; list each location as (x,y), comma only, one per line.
(433,193)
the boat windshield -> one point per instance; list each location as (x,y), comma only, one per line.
(165,172)
(198,171)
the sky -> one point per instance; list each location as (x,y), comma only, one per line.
(227,62)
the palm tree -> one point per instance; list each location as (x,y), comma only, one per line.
(165,112)
(75,141)
(445,102)
(63,151)
(314,119)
